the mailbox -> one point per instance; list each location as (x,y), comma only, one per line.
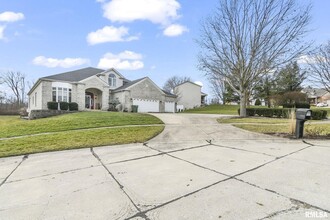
(302,115)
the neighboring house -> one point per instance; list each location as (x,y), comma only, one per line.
(317,95)
(189,95)
(94,88)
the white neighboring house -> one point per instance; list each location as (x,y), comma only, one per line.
(93,88)
(189,95)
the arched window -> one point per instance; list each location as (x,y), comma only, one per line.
(112,80)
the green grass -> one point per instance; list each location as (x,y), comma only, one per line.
(77,139)
(321,108)
(12,126)
(72,131)
(215,109)
(253,120)
(265,129)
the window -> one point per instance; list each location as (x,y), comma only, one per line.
(54,94)
(60,94)
(35,99)
(112,80)
(65,94)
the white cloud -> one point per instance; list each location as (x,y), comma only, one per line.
(156,11)
(305,59)
(109,34)
(127,60)
(2,29)
(9,16)
(64,63)
(175,30)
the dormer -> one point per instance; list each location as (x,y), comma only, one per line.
(113,78)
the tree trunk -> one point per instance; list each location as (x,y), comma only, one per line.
(242,112)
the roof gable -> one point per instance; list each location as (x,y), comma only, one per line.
(188,82)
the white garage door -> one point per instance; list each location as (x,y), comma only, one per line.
(146,105)
(169,107)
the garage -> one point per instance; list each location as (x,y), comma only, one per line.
(170,107)
(146,105)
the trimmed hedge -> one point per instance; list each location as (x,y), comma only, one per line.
(297,105)
(64,106)
(73,106)
(52,105)
(281,113)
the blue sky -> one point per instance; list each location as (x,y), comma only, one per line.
(154,38)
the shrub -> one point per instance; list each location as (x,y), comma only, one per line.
(73,106)
(64,106)
(319,114)
(258,102)
(296,105)
(281,113)
(52,105)
(303,105)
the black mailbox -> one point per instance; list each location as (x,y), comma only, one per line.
(302,114)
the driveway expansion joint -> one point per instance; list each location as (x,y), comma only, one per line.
(117,181)
(23,159)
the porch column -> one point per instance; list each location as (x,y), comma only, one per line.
(105,99)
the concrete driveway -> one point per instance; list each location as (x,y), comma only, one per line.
(195,169)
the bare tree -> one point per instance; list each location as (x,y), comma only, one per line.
(16,82)
(246,39)
(218,86)
(172,82)
(319,65)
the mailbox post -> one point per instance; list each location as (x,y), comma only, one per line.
(302,115)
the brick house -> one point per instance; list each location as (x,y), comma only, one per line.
(94,88)
(315,95)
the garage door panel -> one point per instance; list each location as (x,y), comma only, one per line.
(146,105)
(169,107)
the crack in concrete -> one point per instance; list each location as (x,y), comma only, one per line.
(142,215)
(229,178)
(279,212)
(50,174)
(234,148)
(178,158)
(178,198)
(23,159)
(297,202)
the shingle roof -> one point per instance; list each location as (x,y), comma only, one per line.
(314,92)
(168,93)
(128,84)
(76,75)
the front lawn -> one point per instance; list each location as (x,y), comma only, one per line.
(77,130)
(12,126)
(215,109)
(77,139)
(218,109)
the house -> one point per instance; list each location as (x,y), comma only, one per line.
(315,95)
(93,88)
(189,95)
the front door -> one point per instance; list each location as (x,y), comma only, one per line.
(88,101)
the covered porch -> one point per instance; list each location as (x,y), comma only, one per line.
(93,99)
